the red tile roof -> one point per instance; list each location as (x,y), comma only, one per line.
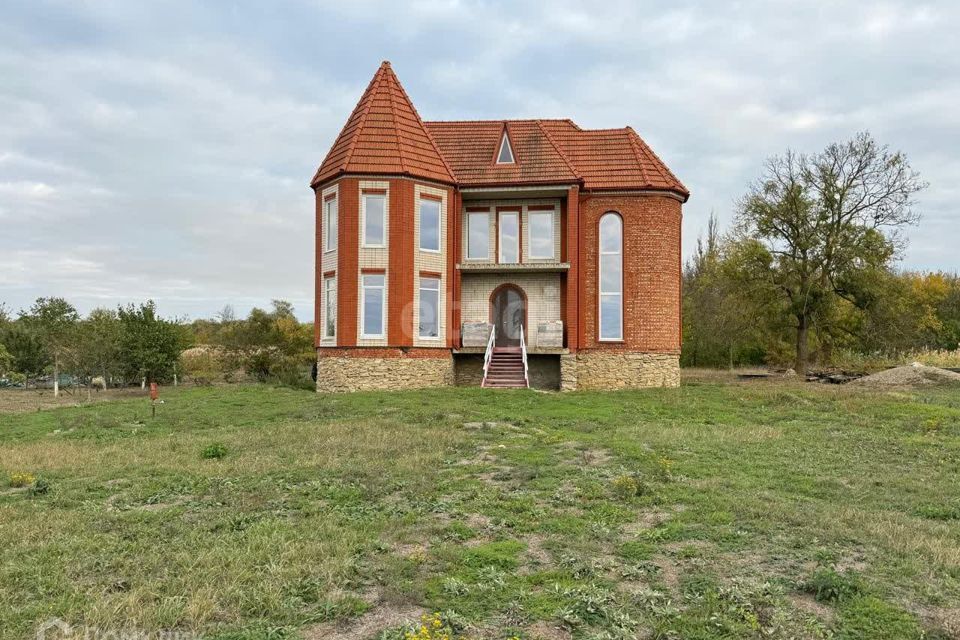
(385,135)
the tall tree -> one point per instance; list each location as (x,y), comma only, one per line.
(819,220)
(98,345)
(55,322)
(148,345)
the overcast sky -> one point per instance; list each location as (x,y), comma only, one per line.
(163,150)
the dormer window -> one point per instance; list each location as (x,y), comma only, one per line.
(505,156)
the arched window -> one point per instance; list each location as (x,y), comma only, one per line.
(611,277)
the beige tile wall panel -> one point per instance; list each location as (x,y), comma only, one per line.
(430,261)
(373,258)
(542,291)
(328,260)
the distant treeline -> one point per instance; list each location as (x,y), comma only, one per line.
(132,344)
(887,316)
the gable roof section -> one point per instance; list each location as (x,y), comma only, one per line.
(552,151)
(471,147)
(384,135)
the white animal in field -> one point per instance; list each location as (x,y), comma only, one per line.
(98,383)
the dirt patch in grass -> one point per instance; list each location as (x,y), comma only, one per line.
(22,400)
(944,619)
(380,618)
(808,604)
(547,631)
(536,556)
(669,574)
(645,521)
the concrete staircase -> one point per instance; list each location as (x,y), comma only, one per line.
(506,369)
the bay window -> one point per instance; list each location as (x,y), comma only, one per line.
(611,277)
(429,307)
(372,305)
(374,219)
(429,224)
(330,307)
(330,223)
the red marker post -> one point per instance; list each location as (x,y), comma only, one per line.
(154,395)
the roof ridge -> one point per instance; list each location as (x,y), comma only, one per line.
(501,120)
(631,135)
(423,127)
(660,164)
(396,125)
(365,93)
(372,87)
(563,156)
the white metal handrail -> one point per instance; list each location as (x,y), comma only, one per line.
(523,350)
(488,356)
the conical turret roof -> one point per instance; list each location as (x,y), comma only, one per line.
(384,135)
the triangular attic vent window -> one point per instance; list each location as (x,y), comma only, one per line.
(506,153)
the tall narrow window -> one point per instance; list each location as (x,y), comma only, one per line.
(330,307)
(505,155)
(429,224)
(478,236)
(541,235)
(611,277)
(330,223)
(429,307)
(372,307)
(509,236)
(374,219)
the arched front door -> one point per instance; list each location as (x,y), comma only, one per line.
(508,312)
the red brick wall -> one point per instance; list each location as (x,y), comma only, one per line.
(348,272)
(317,269)
(651,272)
(400,277)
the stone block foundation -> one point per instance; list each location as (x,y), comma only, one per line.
(370,369)
(612,370)
(382,369)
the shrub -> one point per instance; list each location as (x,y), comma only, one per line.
(40,487)
(213,451)
(19,480)
(630,485)
(828,585)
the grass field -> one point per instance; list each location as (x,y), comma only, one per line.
(718,510)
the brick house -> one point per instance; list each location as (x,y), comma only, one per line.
(494,253)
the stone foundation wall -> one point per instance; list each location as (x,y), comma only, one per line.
(609,370)
(353,373)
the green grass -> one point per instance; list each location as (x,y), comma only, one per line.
(713,511)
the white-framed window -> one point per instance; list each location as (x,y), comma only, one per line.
(429,307)
(509,236)
(541,235)
(330,307)
(372,307)
(505,155)
(374,220)
(330,223)
(611,277)
(478,235)
(429,225)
